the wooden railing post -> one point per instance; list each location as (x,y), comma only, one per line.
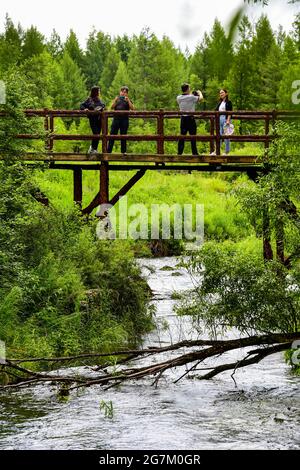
(267,130)
(51,131)
(46,127)
(218,134)
(160,132)
(212,133)
(104,127)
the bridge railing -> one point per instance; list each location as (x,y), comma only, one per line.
(213,137)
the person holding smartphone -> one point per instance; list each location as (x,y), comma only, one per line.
(120,122)
(187,102)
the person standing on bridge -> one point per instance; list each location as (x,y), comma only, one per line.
(94,103)
(224,104)
(120,121)
(187,102)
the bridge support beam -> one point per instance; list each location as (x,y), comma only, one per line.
(102,197)
(77,186)
(104,183)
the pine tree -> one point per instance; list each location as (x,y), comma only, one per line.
(123,45)
(34,43)
(289,52)
(45,75)
(270,77)
(72,47)
(98,47)
(143,69)
(241,75)
(263,44)
(156,70)
(199,67)
(120,79)
(219,52)
(109,71)
(74,89)
(10,45)
(54,45)
(296,31)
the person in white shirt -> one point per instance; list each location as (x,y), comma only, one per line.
(224,104)
(187,102)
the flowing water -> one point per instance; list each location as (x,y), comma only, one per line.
(260,411)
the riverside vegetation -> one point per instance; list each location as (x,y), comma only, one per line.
(65,292)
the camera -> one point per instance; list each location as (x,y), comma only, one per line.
(121,97)
(195,93)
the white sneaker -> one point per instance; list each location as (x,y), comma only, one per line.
(92,151)
(213,154)
(225,154)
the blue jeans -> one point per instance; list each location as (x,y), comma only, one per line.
(222,124)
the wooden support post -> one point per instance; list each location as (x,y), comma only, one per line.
(104,183)
(77,186)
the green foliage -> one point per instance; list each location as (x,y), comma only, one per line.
(54,45)
(235,286)
(73,84)
(73,49)
(10,45)
(19,95)
(155,71)
(277,190)
(33,43)
(68,291)
(287,88)
(120,79)
(239,290)
(62,290)
(110,68)
(97,49)
(219,52)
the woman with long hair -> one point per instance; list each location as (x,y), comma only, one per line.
(224,104)
(94,103)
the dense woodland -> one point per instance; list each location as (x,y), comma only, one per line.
(258,67)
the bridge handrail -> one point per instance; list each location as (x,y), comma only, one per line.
(214,137)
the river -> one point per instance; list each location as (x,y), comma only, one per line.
(260,411)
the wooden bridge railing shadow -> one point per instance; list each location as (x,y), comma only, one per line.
(77,161)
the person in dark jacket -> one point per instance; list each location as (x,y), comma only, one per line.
(224,104)
(94,103)
(120,122)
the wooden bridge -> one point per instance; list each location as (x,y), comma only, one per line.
(106,162)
